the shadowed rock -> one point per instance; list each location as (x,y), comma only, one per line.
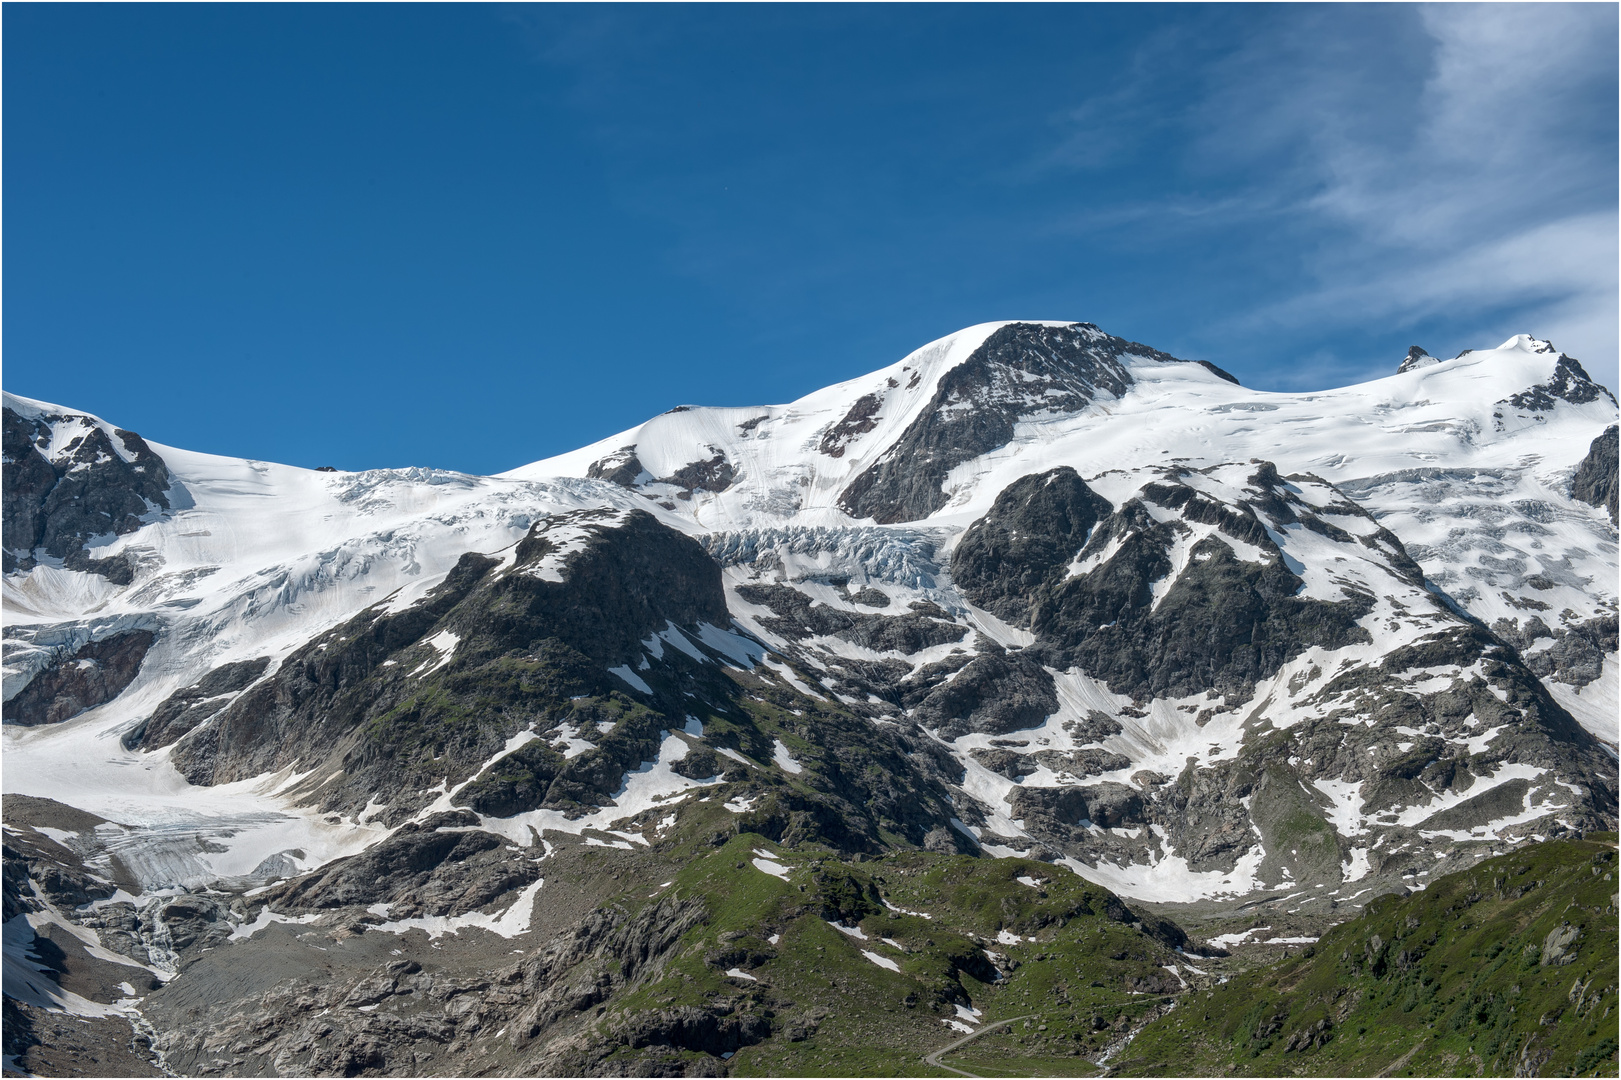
(55,507)
(94,675)
(1595,479)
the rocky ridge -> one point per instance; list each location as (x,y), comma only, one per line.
(70,480)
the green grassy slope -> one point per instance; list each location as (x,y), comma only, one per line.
(1508,968)
(833,1009)
(958,930)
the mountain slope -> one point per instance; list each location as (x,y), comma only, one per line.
(1034,591)
(1509,967)
(1121,668)
(1470,461)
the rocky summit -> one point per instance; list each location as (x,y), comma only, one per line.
(1041,704)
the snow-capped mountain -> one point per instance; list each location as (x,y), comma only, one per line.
(1469,461)
(1032,590)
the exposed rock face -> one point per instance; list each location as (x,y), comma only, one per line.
(511,649)
(622,467)
(862,418)
(1107,805)
(40,870)
(304,705)
(94,675)
(521,780)
(419,870)
(597,956)
(1416,358)
(46,961)
(1021,548)
(713,473)
(1222,624)
(796,616)
(996,692)
(710,474)
(1203,811)
(1575,656)
(1022,370)
(1595,479)
(88,487)
(40,1042)
(187,707)
(630,576)
(1569,382)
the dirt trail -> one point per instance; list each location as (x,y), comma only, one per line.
(1390,1070)
(934,1058)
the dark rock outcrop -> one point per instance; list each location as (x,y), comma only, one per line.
(306,704)
(529,647)
(996,692)
(621,467)
(691,1028)
(1416,358)
(419,870)
(1569,383)
(587,963)
(1023,545)
(53,507)
(517,783)
(191,705)
(862,418)
(1577,654)
(39,868)
(1064,805)
(712,474)
(797,616)
(1224,623)
(193,920)
(93,675)
(1021,370)
(1595,479)
(632,577)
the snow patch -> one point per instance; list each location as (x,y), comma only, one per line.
(882,961)
(772,867)
(508,924)
(444,643)
(785,761)
(630,677)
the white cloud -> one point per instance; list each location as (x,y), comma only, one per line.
(1491,203)
(1454,161)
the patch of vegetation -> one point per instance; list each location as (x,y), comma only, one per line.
(1508,968)
(953,933)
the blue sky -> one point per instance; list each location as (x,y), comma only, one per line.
(473,236)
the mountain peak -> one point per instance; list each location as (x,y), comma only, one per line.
(1416,358)
(1527,343)
(1568,382)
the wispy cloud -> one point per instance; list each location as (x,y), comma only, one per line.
(1281,187)
(1469,172)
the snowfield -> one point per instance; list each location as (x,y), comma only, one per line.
(256,559)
